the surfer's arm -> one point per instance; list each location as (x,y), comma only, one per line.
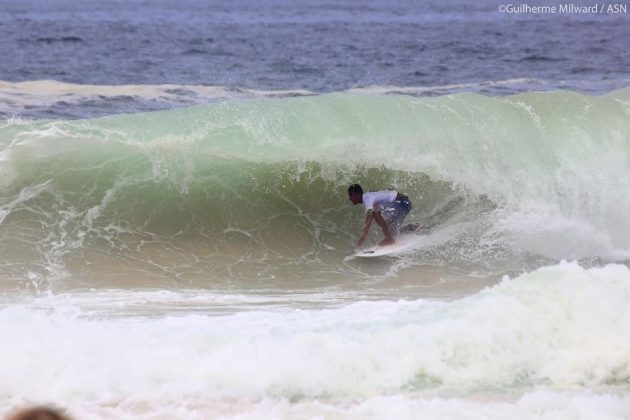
(366,229)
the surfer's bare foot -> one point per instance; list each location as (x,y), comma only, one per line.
(386,241)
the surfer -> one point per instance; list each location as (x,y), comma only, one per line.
(387,207)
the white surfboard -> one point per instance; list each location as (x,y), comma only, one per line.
(403,243)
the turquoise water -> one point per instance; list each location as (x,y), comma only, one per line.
(508,181)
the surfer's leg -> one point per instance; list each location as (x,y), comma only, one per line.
(390,215)
(380,220)
(401,209)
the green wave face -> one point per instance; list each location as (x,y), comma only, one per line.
(256,189)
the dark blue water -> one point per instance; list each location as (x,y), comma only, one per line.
(319,46)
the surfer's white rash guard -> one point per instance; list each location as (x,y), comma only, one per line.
(380,198)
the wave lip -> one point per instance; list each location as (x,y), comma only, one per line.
(52,99)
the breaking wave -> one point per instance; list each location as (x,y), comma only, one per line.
(255,188)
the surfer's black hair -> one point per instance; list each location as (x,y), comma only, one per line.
(355,188)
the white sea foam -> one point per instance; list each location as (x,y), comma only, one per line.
(562,330)
(15,96)
(536,405)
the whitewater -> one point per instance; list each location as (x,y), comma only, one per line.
(191,262)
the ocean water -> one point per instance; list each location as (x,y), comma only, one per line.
(175,231)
